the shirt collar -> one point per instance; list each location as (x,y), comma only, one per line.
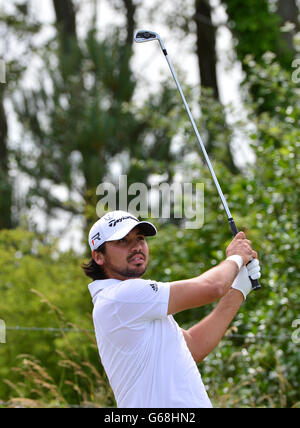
(98,285)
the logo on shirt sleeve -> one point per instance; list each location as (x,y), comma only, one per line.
(154,286)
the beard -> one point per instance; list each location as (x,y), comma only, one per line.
(127,272)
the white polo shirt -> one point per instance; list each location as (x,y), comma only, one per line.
(142,349)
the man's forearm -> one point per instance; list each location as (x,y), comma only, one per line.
(223,275)
(206,335)
(207,288)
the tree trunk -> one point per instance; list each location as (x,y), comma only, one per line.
(66,18)
(70,57)
(206,46)
(130,21)
(207,59)
(288,11)
(5,185)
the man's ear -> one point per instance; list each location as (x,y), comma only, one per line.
(98,257)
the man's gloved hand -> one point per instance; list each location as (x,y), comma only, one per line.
(242,281)
(254,269)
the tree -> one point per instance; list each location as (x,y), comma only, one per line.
(5,182)
(83,122)
(197,20)
(257,30)
(206,46)
(87,118)
(288,10)
(130,9)
(14,26)
(207,59)
(255,27)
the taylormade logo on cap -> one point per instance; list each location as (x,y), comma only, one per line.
(115,225)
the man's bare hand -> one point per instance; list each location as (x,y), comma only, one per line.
(241,246)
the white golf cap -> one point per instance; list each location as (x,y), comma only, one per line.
(115,225)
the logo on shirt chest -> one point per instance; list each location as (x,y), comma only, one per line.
(154,286)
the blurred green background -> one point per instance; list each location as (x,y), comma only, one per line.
(82,105)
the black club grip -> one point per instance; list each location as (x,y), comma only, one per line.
(255,283)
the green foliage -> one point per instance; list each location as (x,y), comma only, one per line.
(257,363)
(41,287)
(85,121)
(256,29)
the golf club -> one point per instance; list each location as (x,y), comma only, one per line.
(148,36)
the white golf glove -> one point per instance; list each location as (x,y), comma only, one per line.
(254,269)
(242,281)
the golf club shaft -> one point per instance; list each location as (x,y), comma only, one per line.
(200,141)
(234,229)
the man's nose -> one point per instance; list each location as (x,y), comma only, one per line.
(137,245)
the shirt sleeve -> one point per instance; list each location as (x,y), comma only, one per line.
(142,300)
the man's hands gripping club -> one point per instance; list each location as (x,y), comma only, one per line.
(215,283)
(240,246)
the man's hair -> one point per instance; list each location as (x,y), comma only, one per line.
(92,269)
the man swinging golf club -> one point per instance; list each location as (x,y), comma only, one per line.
(149,360)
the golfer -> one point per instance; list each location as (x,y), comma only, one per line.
(149,360)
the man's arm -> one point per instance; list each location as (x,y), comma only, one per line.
(213,284)
(202,290)
(203,337)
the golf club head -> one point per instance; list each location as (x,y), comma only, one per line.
(142,36)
